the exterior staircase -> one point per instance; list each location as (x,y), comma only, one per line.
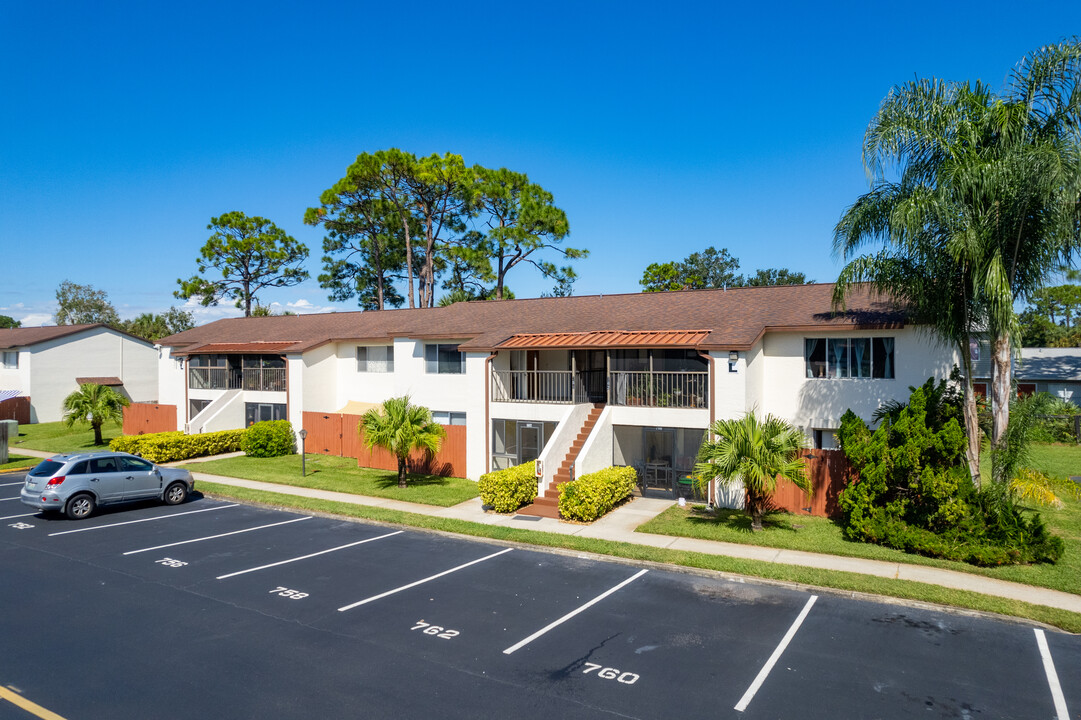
(547,505)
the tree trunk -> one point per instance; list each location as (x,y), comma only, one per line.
(98,440)
(755,505)
(1000,388)
(972,424)
(403,464)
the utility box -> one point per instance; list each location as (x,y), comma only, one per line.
(9,431)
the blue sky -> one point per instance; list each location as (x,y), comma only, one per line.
(660,129)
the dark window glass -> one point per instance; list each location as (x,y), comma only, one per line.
(814,352)
(103,465)
(45,468)
(258,412)
(136,465)
(78,468)
(882,358)
(860,357)
(444,359)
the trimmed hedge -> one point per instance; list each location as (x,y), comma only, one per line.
(171,446)
(507,490)
(269,438)
(591,496)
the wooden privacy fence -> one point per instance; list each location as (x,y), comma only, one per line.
(829,473)
(142,418)
(336,434)
(17,409)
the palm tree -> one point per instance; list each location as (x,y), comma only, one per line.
(401,428)
(989,185)
(94,404)
(756,453)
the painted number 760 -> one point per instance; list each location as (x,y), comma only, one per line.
(627,678)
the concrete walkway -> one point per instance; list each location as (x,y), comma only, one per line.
(619,525)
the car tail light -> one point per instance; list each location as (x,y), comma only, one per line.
(56,480)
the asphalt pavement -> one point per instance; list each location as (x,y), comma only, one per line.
(218,609)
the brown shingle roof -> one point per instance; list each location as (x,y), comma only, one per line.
(107,381)
(229,348)
(24,337)
(731,319)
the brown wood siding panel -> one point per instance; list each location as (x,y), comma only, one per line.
(144,418)
(829,473)
(324,433)
(17,409)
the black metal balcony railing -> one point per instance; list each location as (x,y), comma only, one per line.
(657,389)
(217,378)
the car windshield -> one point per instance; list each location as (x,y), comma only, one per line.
(45,468)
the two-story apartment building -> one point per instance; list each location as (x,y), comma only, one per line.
(579,383)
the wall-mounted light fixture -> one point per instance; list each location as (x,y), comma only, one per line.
(733,356)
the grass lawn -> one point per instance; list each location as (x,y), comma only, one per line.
(325,472)
(808,576)
(58,437)
(799,532)
(16,462)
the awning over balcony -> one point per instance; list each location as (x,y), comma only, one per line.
(250,348)
(610,339)
(106,381)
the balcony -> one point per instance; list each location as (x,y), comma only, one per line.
(219,378)
(646,389)
(659,389)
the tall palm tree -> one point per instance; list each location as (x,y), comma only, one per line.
(401,428)
(94,404)
(987,184)
(755,453)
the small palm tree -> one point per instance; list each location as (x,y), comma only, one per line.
(402,428)
(756,453)
(94,404)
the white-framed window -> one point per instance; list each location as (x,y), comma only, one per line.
(9,360)
(377,359)
(449,418)
(974,350)
(849,357)
(443,359)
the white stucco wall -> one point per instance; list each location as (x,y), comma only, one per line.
(19,378)
(171,383)
(819,403)
(730,388)
(320,380)
(99,352)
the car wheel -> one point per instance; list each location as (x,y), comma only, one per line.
(79,506)
(176,493)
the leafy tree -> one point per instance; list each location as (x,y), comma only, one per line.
(401,428)
(94,405)
(83,305)
(662,277)
(1052,318)
(6,321)
(365,243)
(755,453)
(249,253)
(710,268)
(265,311)
(155,327)
(522,221)
(777,276)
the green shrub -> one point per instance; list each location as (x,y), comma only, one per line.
(172,446)
(914,492)
(591,496)
(269,438)
(507,490)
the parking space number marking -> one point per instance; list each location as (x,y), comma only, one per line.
(607,673)
(437,630)
(289,593)
(169,562)
(21,525)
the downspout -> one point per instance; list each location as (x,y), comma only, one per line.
(487,412)
(286,359)
(187,374)
(712,408)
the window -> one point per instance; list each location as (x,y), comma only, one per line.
(136,465)
(974,350)
(825,440)
(104,465)
(9,360)
(848,357)
(375,359)
(449,418)
(443,359)
(78,468)
(196,406)
(258,412)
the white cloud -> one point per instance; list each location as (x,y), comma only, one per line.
(34,319)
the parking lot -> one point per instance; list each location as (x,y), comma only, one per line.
(217,609)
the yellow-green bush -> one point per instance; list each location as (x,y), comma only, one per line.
(171,446)
(592,495)
(507,490)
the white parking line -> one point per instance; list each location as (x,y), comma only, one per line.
(749,695)
(212,537)
(7,499)
(10,484)
(522,643)
(305,557)
(12,517)
(1052,677)
(373,598)
(132,522)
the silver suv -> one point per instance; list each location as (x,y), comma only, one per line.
(76,483)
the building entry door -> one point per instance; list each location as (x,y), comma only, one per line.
(530,441)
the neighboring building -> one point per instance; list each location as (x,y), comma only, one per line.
(1051,370)
(48,363)
(641,375)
